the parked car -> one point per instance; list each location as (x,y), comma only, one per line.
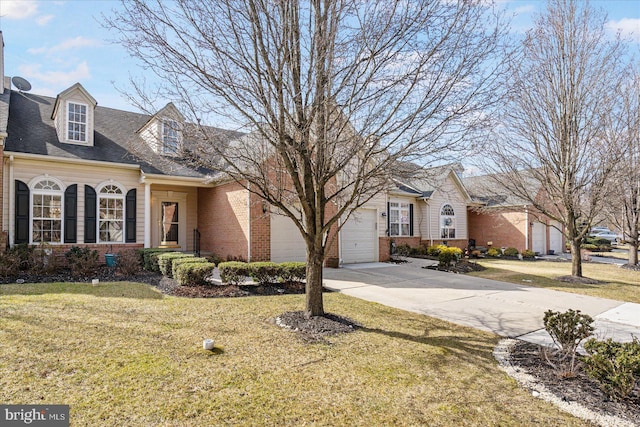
(609,235)
(598,230)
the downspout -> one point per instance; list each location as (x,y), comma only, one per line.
(430,224)
(249,226)
(12,199)
(527,226)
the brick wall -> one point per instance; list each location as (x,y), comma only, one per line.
(501,228)
(223,220)
(260,229)
(60,250)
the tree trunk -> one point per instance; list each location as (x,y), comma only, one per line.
(576,258)
(314,305)
(633,253)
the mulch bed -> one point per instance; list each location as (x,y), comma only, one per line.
(232,291)
(580,388)
(315,329)
(461,267)
(578,280)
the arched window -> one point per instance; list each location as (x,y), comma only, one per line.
(46,208)
(110,214)
(447,222)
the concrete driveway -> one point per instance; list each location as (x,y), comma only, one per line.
(507,309)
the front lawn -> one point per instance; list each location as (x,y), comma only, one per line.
(121,354)
(616,283)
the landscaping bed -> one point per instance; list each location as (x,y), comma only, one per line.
(579,389)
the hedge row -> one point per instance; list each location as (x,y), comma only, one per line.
(234,272)
(194,273)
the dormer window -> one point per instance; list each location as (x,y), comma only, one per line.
(77,122)
(170,137)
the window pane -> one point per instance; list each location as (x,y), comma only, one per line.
(393,229)
(405,229)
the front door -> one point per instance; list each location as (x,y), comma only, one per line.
(168,218)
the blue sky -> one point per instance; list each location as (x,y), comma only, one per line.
(55,44)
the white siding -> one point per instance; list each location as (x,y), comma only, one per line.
(75,96)
(69,174)
(448,193)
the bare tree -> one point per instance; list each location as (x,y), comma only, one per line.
(623,207)
(333,93)
(552,135)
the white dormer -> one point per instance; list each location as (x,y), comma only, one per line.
(163,131)
(73,116)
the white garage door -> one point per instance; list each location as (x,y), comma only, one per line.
(287,243)
(359,237)
(555,238)
(539,238)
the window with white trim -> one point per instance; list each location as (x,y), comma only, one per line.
(447,222)
(46,209)
(399,219)
(110,214)
(170,136)
(77,122)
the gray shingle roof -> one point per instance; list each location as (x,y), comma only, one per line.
(31,130)
(487,190)
(422,181)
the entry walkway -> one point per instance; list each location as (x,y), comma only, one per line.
(507,309)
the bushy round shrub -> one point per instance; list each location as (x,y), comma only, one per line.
(165,261)
(449,254)
(494,252)
(528,254)
(233,272)
(511,252)
(176,262)
(194,274)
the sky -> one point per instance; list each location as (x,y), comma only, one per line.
(54,44)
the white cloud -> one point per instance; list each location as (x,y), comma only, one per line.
(628,27)
(18,9)
(68,44)
(59,79)
(43,19)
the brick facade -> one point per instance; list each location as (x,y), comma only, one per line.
(223,220)
(500,228)
(260,229)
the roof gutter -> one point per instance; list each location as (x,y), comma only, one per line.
(44,157)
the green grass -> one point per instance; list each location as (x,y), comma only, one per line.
(616,283)
(120,355)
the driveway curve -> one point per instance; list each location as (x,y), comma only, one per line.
(507,309)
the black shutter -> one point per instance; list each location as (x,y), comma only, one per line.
(130,215)
(22,212)
(411,219)
(90,217)
(388,219)
(71,214)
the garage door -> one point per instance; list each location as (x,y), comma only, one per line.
(359,237)
(287,243)
(555,238)
(539,238)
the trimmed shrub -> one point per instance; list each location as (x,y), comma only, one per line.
(528,254)
(128,262)
(215,258)
(293,271)
(233,272)
(149,257)
(511,252)
(165,261)
(176,262)
(494,252)
(433,251)
(83,262)
(264,272)
(568,330)
(449,254)
(194,273)
(615,366)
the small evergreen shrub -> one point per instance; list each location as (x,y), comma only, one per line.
(83,262)
(494,252)
(511,252)
(216,259)
(194,273)
(233,272)
(528,254)
(176,262)
(615,366)
(9,263)
(149,257)
(433,251)
(264,272)
(165,262)
(128,262)
(293,271)
(403,250)
(567,330)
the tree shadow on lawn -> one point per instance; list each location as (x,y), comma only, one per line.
(467,348)
(103,289)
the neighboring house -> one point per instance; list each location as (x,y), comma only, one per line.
(502,220)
